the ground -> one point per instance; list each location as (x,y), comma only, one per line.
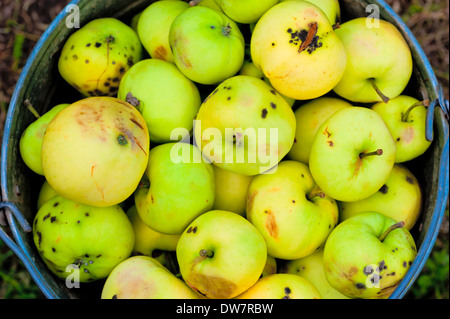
(23,21)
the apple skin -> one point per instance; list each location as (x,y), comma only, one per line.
(250,69)
(292,225)
(238,252)
(101,42)
(30,143)
(230,191)
(165,97)
(154,25)
(331,8)
(335,159)
(208,47)
(245,103)
(379,53)
(178,192)
(45,193)
(281,286)
(270,268)
(276,42)
(311,268)
(309,117)
(95,239)
(95,151)
(400,198)
(246,11)
(409,135)
(354,251)
(152,243)
(143,277)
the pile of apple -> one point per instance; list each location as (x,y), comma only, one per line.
(231,149)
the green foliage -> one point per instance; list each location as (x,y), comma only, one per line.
(15,282)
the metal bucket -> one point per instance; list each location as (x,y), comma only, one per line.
(41,84)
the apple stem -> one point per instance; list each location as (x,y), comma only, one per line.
(314,195)
(206,253)
(375,87)
(424,103)
(31,108)
(395,226)
(193,3)
(377,152)
(226,30)
(309,37)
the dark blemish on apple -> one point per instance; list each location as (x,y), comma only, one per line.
(273,44)
(383,189)
(71,48)
(113,89)
(368,270)
(113,62)
(313,45)
(189,230)
(228,98)
(287,290)
(273,92)
(98,44)
(194,230)
(35,222)
(75,57)
(295,141)
(86,61)
(293,201)
(328,134)
(410,180)
(86,214)
(78,221)
(52,219)
(107,84)
(360,285)
(410,262)
(110,39)
(264,113)
(122,70)
(39,234)
(88,45)
(116,79)
(55,204)
(212,27)
(330,143)
(122,140)
(381,266)
(130,62)
(132,100)
(45,217)
(398,139)
(53,249)
(391,274)
(405,264)
(273,105)
(98,256)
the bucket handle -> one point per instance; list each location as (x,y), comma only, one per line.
(443,104)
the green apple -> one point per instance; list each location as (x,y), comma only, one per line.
(400,198)
(221,254)
(379,61)
(95,151)
(309,116)
(30,143)
(281,286)
(296,47)
(143,277)
(270,268)
(134,21)
(230,191)
(154,25)
(331,8)
(352,154)
(245,11)
(152,243)
(405,117)
(250,69)
(311,268)
(292,214)
(367,255)
(45,193)
(180,189)
(70,236)
(208,47)
(206,3)
(245,126)
(96,56)
(166,98)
